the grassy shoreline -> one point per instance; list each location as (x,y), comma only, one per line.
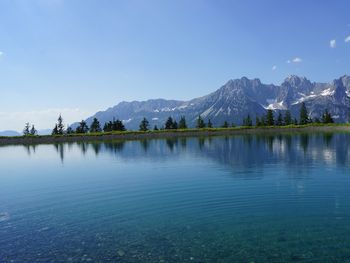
(136,135)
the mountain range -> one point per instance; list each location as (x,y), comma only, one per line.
(235,100)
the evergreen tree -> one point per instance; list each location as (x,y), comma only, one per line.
(287,118)
(200,123)
(26,130)
(304,116)
(210,125)
(327,117)
(263,120)
(69,130)
(175,125)
(60,126)
(144,125)
(82,128)
(169,124)
(257,121)
(55,130)
(233,125)
(182,123)
(270,118)
(247,121)
(33,131)
(225,125)
(295,121)
(279,121)
(95,126)
(155,128)
(317,120)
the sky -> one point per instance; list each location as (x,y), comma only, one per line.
(76,57)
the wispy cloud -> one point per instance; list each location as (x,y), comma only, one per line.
(294,60)
(347,39)
(274,67)
(333,43)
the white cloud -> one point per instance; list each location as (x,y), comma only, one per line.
(333,43)
(297,60)
(42,119)
(274,67)
(347,39)
(294,60)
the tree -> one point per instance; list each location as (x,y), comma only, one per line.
(279,121)
(82,128)
(200,123)
(33,131)
(182,123)
(60,126)
(295,121)
(55,130)
(304,116)
(69,130)
(144,125)
(257,121)
(287,118)
(26,130)
(247,121)
(175,125)
(95,126)
(225,125)
(115,125)
(327,117)
(270,118)
(317,120)
(169,124)
(210,125)
(155,128)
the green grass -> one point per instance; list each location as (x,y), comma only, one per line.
(180,130)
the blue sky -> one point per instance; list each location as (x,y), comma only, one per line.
(80,56)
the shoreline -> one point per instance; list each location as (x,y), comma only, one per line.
(206,132)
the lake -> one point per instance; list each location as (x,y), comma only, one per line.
(252,198)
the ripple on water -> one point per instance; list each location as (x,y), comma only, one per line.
(4,216)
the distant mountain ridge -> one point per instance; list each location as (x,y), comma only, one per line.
(236,99)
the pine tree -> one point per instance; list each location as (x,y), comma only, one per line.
(175,125)
(182,123)
(287,118)
(33,131)
(247,121)
(210,125)
(55,130)
(327,117)
(279,121)
(82,128)
(26,130)
(155,128)
(200,123)
(257,121)
(95,126)
(270,118)
(144,125)
(69,130)
(60,126)
(225,125)
(169,123)
(304,116)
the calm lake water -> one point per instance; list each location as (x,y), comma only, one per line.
(221,199)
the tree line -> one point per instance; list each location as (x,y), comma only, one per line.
(268,119)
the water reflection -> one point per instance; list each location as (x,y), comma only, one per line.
(236,151)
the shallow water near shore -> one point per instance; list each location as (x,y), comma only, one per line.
(249,198)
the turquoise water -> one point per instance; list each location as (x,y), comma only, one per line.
(222,199)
